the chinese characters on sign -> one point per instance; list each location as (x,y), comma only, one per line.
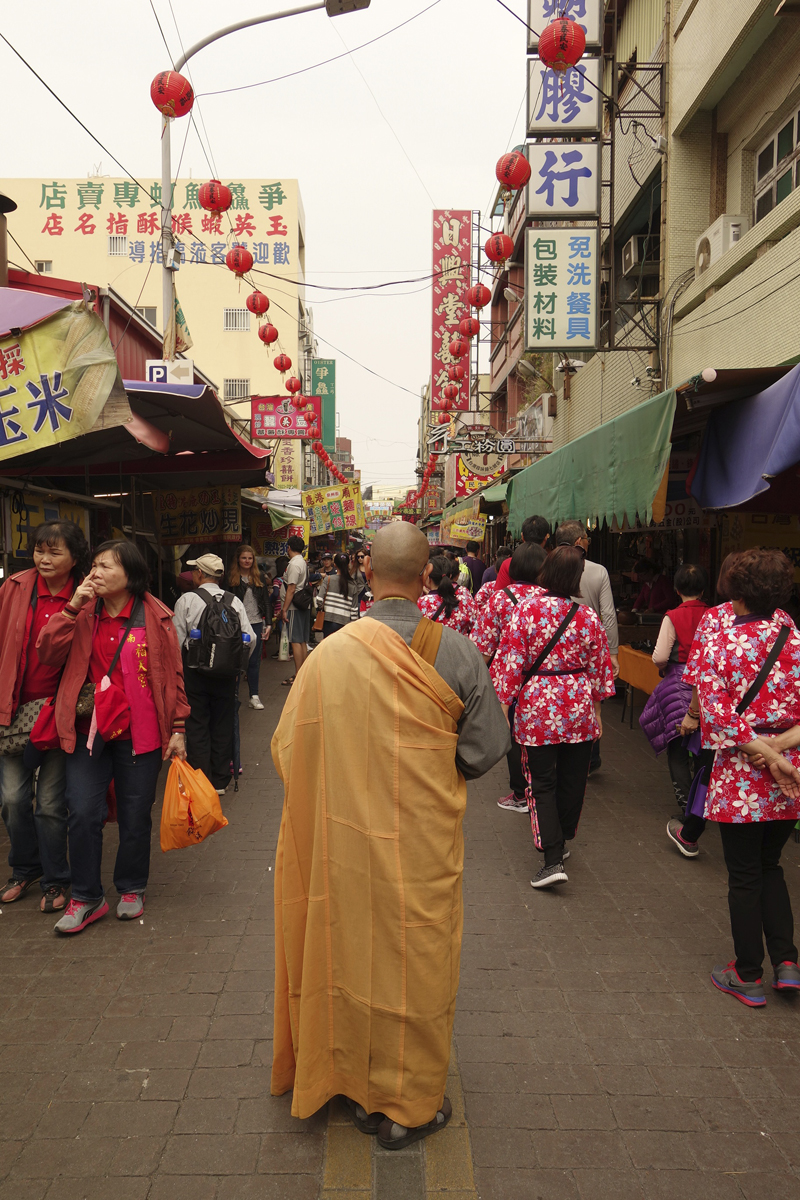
(274,417)
(323,384)
(334,509)
(452,244)
(274,543)
(586,13)
(206,514)
(566,102)
(565,180)
(287,464)
(561,289)
(463,527)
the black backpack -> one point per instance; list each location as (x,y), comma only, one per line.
(219,650)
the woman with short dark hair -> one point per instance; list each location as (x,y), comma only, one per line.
(553,661)
(747,683)
(116,634)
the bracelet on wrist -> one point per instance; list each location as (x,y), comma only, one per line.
(694,715)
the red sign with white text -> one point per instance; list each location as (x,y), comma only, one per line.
(452,237)
(276,417)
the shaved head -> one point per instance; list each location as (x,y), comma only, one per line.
(399,554)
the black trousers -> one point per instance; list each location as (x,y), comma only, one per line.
(209,726)
(516,776)
(556,778)
(757,894)
(683,767)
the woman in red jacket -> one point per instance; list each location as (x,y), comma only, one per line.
(114,629)
(28,600)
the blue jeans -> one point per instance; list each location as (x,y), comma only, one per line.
(88,776)
(254,663)
(38,834)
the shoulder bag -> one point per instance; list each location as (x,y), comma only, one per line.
(554,640)
(303,596)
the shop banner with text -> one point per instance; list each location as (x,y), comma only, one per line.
(207,514)
(334,509)
(452,241)
(463,528)
(271,544)
(274,417)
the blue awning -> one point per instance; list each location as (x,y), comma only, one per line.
(747,443)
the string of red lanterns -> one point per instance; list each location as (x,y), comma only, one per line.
(413,498)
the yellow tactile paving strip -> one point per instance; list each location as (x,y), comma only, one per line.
(444,1160)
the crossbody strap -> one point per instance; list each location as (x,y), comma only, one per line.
(762,676)
(550,645)
(137,607)
(511,595)
(439,610)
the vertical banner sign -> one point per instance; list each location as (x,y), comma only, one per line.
(287,464)
(586,13)
(565,181)
(562,268)
(323,384)
(452,233)
(563,102)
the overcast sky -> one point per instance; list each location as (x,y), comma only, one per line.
(449,85)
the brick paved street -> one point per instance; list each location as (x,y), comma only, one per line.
(595,1057)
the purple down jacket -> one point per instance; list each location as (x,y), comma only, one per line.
(666,708)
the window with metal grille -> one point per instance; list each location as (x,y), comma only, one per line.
(236,320)
(117,245)
(149,313)
(44,266)
(778,167)
(235,389)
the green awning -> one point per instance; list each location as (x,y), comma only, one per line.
(496,494)
(615,470)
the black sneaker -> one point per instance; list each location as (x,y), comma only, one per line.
(727,980)
(787,977)
(547,876)
(674,832)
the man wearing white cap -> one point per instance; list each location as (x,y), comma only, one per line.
(209,727)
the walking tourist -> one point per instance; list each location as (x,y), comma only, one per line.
(526,563)
(367,965)
(475,566)
(113,627)
(447,602)
(553,661)
(247,583)
(211,693)
(664,710)
(298,619)
(750,707)
(534,529)
(37,830)
(337,596)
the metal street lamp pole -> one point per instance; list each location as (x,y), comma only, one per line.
(334,8)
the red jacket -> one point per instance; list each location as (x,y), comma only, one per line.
(69,639)
(15,600)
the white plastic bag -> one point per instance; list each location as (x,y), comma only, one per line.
(283,652)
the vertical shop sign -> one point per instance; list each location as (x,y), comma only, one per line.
(564,103)
(323,384)
(287,464)
(452,244)
(561,289)
(565,181)
(586,13)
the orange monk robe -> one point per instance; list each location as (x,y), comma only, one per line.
(368,911)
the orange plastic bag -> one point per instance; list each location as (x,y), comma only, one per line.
(191,809)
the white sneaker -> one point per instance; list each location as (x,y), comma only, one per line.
(256,703)
(510,803)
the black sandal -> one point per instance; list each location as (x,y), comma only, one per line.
(288,682)
(22,884)
(369,1122)
(49,897)
(416,1134)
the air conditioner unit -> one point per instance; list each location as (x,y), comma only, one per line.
(717,240)
(640,255)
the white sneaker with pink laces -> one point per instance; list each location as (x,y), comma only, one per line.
(511,803)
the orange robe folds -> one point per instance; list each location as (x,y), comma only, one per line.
(368,910)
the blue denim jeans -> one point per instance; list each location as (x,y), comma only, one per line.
(37,831)
(88,776)
(254,664)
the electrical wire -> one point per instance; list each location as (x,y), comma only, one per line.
(30,260)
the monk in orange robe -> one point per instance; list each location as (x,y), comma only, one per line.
(368,910)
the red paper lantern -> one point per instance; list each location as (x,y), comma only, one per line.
(451,391)
(268,334)
(172,94)
(469,327)
(293,384)
(499,247)
(513,170)
(561,45)
(296,402)
(314,431)
(458,347)
(239,260)
(479,295)
(456,373)
(257,302)
(215,196)
(282,363)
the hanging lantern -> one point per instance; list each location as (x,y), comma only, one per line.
(257,302)
(282,363)
(451,391)
(499,247)
(479,295)
(458,347)
(293,384)
(469,327)
(513,171)
(455,373)
(296,402)
(314,431)
(561,45)
(172,94)
(214,196)
(268,334)
(239,260)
